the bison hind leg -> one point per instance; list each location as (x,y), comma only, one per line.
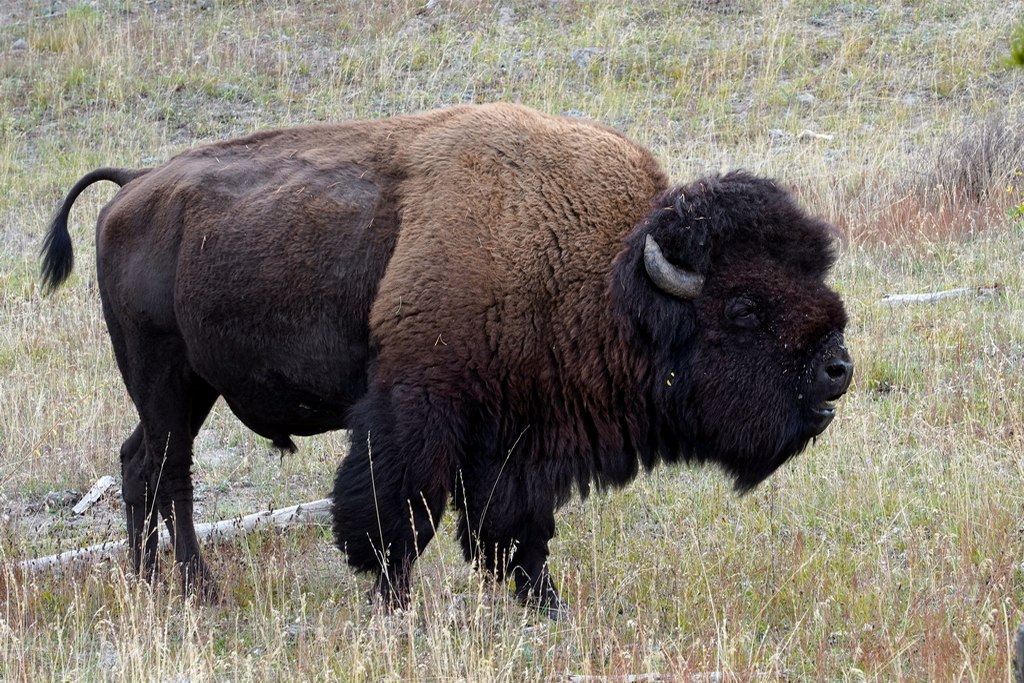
(140,508)
(145,483)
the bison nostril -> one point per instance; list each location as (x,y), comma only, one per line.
(837,370)
(837,374)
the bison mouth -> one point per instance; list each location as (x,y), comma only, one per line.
(831,373)
(820,416)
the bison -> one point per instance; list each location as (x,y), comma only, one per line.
(502,306)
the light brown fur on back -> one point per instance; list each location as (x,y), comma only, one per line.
(511,220)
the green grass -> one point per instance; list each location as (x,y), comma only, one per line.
(890,551)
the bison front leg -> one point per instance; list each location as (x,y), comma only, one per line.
(391,489)
(382,519)
(506,524)
(534,585)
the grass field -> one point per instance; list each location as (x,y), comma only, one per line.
(892,550)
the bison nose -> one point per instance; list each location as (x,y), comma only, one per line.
(834,374)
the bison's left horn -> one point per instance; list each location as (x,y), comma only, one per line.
(669,278)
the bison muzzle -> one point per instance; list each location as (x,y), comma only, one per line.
(501,306)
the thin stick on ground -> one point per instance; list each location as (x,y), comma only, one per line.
(94,494)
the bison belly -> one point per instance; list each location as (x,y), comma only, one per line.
(298,381)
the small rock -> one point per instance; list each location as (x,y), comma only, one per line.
(583,56)
(20,44)
(56,500)
(294,631)
(707,677)
(836,637)
(806,98)
(109,660)
(217,456)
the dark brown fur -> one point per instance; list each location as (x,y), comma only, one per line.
(465,290)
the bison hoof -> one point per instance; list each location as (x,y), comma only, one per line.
(555,612)
(391,592)
(388,601)
(203,588)
(546,602)
(199,583)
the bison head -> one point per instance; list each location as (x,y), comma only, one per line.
(724,287)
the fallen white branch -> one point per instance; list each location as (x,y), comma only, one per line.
(97,490)
(93,552)
(928,297)
(701,677)
(627,678)
(315,511)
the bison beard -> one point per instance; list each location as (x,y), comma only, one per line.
(501,306)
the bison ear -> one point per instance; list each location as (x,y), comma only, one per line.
(670,278)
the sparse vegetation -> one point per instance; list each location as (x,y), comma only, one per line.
(1017,47)
(890,551)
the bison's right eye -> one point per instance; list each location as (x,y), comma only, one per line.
(742,312)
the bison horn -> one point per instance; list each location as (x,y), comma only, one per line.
(669,278)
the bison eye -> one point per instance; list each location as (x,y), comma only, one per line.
(742,312)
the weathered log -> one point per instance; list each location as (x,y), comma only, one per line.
(700,677)
(928,297)
(315,511)
(625,678)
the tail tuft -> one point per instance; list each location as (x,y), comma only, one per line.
(57,253)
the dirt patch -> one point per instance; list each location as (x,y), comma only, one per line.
(46,524)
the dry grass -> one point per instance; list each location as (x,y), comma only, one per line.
(890,551)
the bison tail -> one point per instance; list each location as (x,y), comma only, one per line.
(57,253)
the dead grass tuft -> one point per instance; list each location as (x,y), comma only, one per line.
(979,163)
(960,186)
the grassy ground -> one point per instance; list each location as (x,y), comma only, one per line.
(890,551)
